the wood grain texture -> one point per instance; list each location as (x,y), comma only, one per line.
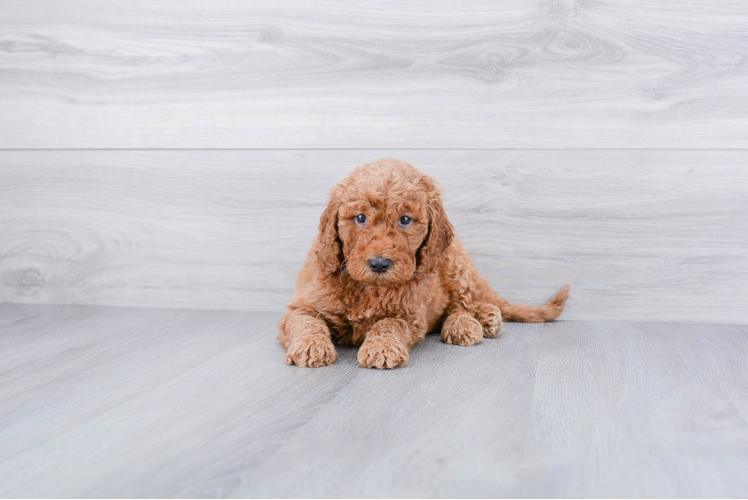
(293,74)
(642,235)
(567,409)
(453,424)
(623,410)
(111,402)
(127,402)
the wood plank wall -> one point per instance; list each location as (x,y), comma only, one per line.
(178,154)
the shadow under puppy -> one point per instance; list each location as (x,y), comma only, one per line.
(386,269)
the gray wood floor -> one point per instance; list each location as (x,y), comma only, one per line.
(98,401)
(178,153)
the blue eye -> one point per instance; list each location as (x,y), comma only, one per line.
(405,221)
(360,219)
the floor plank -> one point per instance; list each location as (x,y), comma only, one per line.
(201,397)
(293,74)
(640,235)
(636,410)
(453,424)
(99,401)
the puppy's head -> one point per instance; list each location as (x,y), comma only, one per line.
(384,224)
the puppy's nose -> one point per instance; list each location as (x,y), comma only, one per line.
(379,264)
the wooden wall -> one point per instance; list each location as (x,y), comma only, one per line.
(178,154)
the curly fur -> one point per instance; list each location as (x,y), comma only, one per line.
(432,280)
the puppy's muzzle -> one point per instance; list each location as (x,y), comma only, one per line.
(379,264)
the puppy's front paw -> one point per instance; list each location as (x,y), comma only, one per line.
(489,316)
(382,352)
(311,352)
(461,329)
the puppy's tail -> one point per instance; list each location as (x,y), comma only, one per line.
(534,314)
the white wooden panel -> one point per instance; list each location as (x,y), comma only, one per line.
(640,235)
(420,74)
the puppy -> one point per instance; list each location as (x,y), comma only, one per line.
(385,269)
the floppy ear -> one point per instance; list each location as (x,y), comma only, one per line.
(329,249)
(441,232)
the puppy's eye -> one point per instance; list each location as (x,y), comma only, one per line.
(360,219)
(405,221)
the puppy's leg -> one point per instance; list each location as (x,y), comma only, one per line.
(307,340)
(489,316)
(470,316)
(387,344)
(461,328)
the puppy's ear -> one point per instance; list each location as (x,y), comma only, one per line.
(441,232)
(329,249)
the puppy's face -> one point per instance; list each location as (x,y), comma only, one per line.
(384,224)
(381,233)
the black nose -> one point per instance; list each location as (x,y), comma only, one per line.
(379,264)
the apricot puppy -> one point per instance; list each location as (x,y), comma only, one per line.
(386,268)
